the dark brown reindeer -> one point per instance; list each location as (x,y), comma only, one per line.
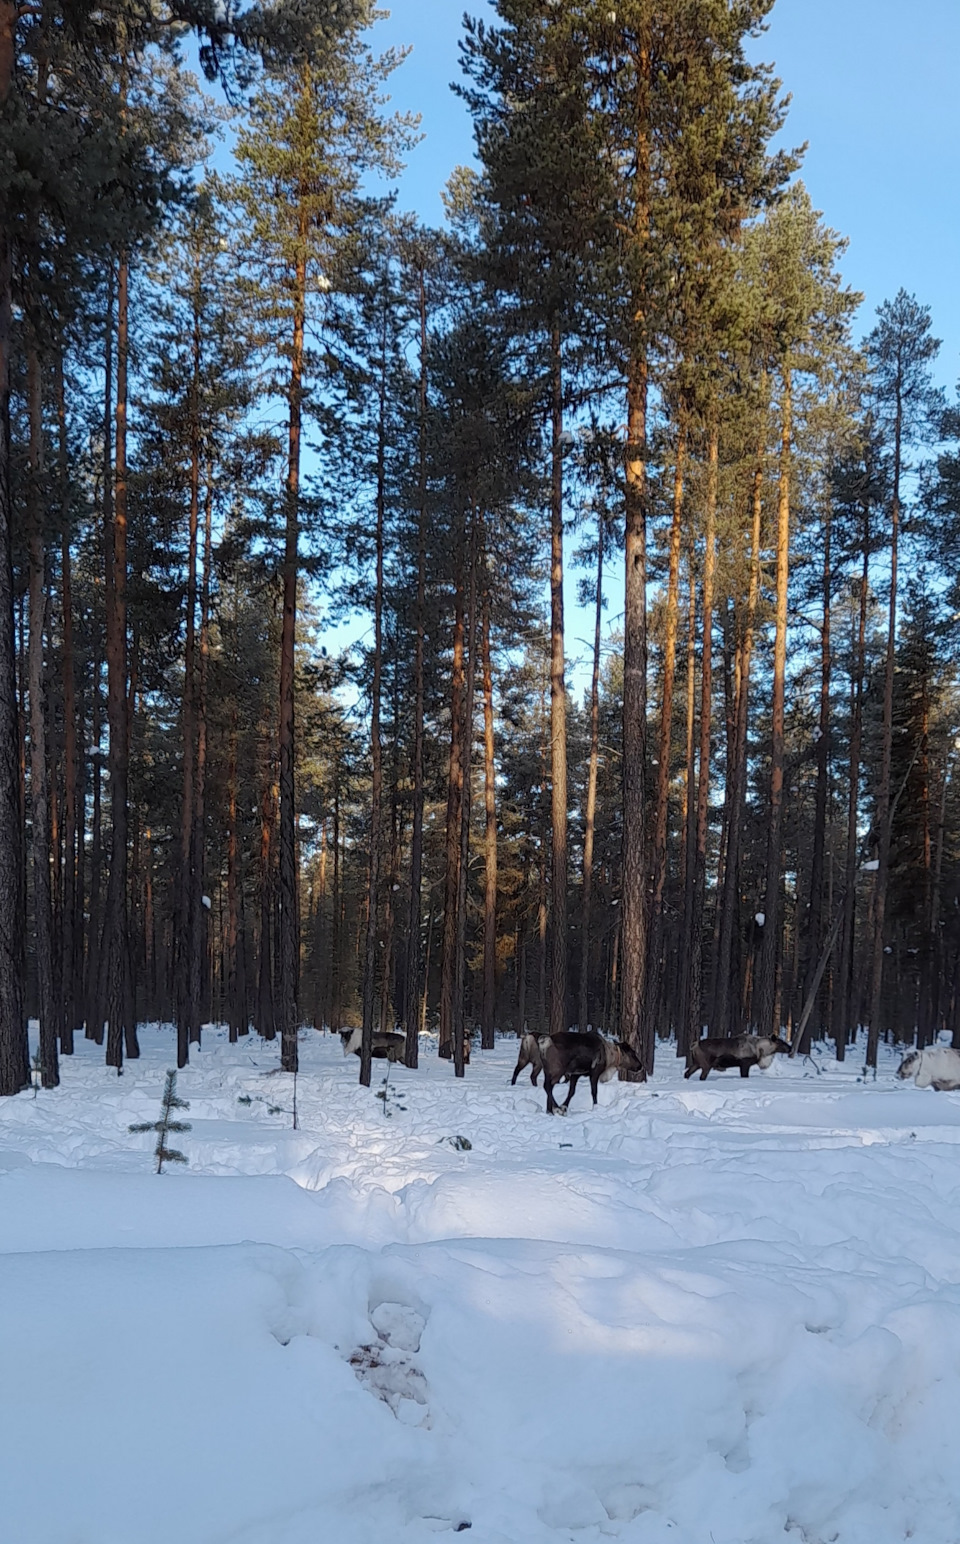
(716,1053)
(571,1056)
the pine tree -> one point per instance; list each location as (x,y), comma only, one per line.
(900,350)
(165,1126)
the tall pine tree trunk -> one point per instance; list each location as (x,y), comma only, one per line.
(448,966)
(39,781)
(635,1028)
(72,908)
(727,1000)
(814,929)
(288,919)
(460,1042)
(266,1004)
(187,1006)
(590,806)
(843,1000)
(14,1045)
(883,818)
(689,811)
(114,961)
(376,759)
(695,952)
(488,1020)
(558,712)
(767,994)
(661,811)
(414,977)
(198,928)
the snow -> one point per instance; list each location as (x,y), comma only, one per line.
(721,1312)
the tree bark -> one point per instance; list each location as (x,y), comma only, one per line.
(39,781)
(558,712)
(72,908)
(766,1014)
(695,950)
(414,978)
(689,817)
(14,1044)
(590,807)
(376,760)
(490,841)
(635,1027)
(883,793)
(114,962)
(289,918)
(187,1006)
(726,999)
(460,1042)
(448,968)
(814,929)
(661,809)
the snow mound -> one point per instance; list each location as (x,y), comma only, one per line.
(726,1313)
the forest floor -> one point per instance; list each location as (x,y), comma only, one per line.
(705,1313)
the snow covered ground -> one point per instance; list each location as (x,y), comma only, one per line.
(707,1313)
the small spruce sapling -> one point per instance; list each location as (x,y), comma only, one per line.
(164,1126)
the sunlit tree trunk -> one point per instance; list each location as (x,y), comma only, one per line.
(490,840)
(558,713)
(770,953)
(695,956)
(590,806)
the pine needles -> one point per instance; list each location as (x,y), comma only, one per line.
(165,1125)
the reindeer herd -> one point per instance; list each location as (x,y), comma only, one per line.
(570,1056)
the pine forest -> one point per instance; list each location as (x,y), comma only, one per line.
(250,410)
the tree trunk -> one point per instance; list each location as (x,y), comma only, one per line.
(411,1011)
(187,1006)
(695,949)
(114,962)
(635,1029)
(727,999)
(590,807)
(289,919)
(766,1014)
(72,908)
(460,1048)
(558,712)
(884,818)
(376,764)
(490,842)
(814,941)
(659,856)
(14,1044)
(689,815)
(39,783)
(448,968)
(236,983)
(198,924)
(266,1013)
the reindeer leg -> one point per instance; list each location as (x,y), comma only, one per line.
(574,1080)
(744,1069)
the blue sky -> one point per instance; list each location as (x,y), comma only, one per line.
(876,93)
